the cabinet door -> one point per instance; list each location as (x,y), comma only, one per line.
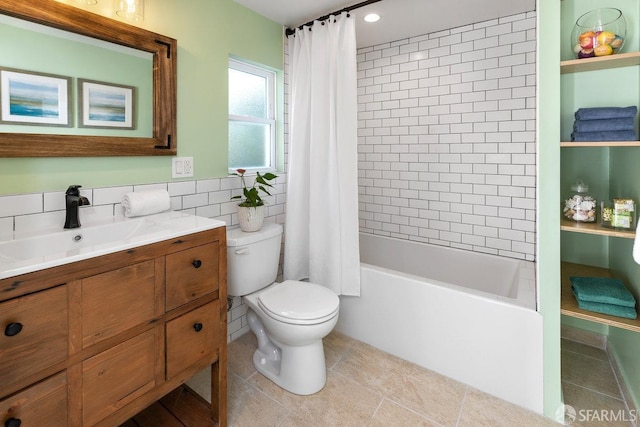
(191,274)
(115,301)
(34,335)
(117,376)
(193,338)
(44,404)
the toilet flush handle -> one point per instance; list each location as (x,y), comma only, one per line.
(242,251)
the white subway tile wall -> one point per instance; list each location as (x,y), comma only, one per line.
(447,149)
(27,213)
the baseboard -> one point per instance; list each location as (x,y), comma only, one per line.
(584,337)
(626,393)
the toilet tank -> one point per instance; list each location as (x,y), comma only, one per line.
(252,258)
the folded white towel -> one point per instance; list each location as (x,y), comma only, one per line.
(636,245)
(146,202)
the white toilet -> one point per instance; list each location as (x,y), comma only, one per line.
(289,318)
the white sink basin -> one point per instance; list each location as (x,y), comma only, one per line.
(21,255)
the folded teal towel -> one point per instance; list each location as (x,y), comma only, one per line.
(610,309)
(604,290)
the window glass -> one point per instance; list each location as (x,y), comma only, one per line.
(251,117)
(247,94)
(251,145)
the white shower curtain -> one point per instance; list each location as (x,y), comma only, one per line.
(321,239)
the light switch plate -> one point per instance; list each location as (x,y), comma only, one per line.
(181,167)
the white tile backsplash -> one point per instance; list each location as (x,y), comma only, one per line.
(22,204)
(195,200)
(6,226)
(207,185)
(146,187)
(181,188)
(55,201)
(109,195)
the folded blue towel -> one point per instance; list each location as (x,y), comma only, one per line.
(610,309)
(614,135)
(606,113)
(625,123)
(604,290)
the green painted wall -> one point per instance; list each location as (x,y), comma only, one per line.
(612,172)
(548,256)
(208,31)
(585,325)
(625,345)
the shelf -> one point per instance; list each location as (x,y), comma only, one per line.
(600,63)
(600,144)
(569,305)
(594,228)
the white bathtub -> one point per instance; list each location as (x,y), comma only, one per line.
(466,315)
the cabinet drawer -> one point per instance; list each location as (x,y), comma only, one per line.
(34,335)
(43,404)
(117,376)
(193,337)
(191,274)
(118,300)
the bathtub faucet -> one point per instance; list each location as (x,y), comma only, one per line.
(73,200)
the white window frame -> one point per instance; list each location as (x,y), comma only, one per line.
(270,76)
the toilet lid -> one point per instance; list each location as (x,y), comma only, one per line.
(301,302)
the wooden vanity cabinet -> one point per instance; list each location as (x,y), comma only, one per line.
(34,337)
(190,274)
(43,404)
(97,341)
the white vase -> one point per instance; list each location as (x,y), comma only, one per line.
(250,218)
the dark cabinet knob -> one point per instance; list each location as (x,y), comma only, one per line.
(197,327)
(197,263)
(13,329)
(12,422)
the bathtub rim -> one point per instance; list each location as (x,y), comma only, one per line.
(526,281)
(525,303)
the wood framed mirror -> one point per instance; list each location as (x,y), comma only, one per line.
(163,50)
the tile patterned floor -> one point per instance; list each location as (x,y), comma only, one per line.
(365,387)
(368,387)
(589,384)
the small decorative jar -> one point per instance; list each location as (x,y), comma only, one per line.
(581,206)
(618,213)
(600,32)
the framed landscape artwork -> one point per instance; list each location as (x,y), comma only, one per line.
(105,105)
(31,98)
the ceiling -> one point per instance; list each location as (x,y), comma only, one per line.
(400,19)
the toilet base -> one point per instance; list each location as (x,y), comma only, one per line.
(297,369)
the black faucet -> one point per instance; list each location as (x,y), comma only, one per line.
(73,201)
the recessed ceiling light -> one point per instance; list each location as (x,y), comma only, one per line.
(372,17)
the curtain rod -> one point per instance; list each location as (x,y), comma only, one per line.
(290,31)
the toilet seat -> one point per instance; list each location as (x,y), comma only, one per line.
(300,303)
